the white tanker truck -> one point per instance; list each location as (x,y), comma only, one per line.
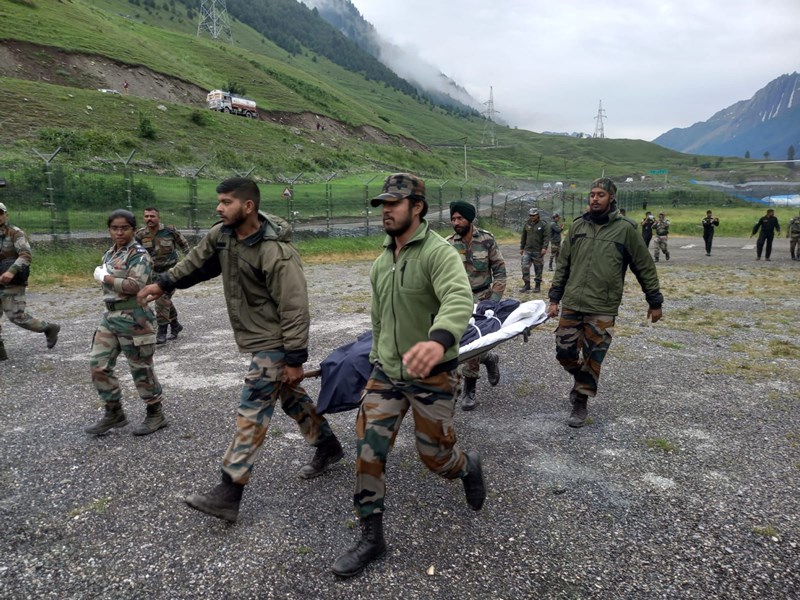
(227,102)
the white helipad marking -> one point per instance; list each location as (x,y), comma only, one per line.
(748,247)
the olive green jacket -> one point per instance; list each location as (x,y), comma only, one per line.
(421,295)
(593,262)
(265,287)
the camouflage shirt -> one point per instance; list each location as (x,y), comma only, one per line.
(662,228)
(535,236)
(483,262)
(161,245)
(14,244)
(132,269)
(794,228)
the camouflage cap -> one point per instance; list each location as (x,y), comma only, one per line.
(3,207)
(605,183)
(399,186)
(533,211)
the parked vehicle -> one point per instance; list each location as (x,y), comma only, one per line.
(226,102)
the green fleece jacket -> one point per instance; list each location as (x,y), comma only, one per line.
(265,287)
(423,294)
(593,262)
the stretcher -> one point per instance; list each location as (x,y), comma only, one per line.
(345,371)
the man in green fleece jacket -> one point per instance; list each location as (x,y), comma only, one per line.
(421,305)
(267,300)
(600,247)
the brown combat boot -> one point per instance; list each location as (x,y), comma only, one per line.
(51,334)
(328,452)
(577,417)
(154,420)
(113,417)
(222,501)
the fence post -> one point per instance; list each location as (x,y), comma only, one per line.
(51,202)
(329,202)
(193,200)
(367,204)
(441,208)
(128,178)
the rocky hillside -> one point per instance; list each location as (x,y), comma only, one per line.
(769,122)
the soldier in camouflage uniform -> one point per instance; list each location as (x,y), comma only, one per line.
(590,278)
(532,248)
(125,328)
(421,305)
(266,296)
(555,239)
(794,234)
(162,243)
(15,261)
(486,271)
(661,229)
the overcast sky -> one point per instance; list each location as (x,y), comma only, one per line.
(655,65)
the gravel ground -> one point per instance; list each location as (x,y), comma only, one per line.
(684,485)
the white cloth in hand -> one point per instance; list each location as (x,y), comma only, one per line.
(100,272)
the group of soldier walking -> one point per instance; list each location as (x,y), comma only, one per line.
(424,289)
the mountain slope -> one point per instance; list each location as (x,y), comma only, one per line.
(768,122)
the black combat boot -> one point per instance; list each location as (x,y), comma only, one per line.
(492,362)
(577,417)
(161,335)
(3,355)
(474,485)
(154,420)
(666,255)
(329,451)
(538,288)
(51,334)
(113,417)
(526,287)
(222,501)
(468,393)
(174,329)
(370,547)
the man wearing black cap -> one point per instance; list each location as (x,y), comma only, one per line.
(532,248)
(15,262)
(589,282)
(421,305)
(486,271)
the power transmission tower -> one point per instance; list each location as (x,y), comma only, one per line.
(489,113)
(599,131)
(214,20)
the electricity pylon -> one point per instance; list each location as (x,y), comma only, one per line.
(489,113)
(214,20)
(599,130)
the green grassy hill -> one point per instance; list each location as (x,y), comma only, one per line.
(57,53)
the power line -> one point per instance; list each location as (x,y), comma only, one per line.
(214,20)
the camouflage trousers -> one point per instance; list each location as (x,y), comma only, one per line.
(130,332)
(794,248)
(555,250)
(535,259)
(165,309)
(582,341)
(261,390)
(661,246)
(384,403)
(13,304)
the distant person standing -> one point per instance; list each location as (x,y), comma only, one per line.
(15,262)
(125,87)
(768,224)
(794,235)
(532,248)
(661,228)
(486,271)
(555,239)
(162,243)
(709,223)
(647,228)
